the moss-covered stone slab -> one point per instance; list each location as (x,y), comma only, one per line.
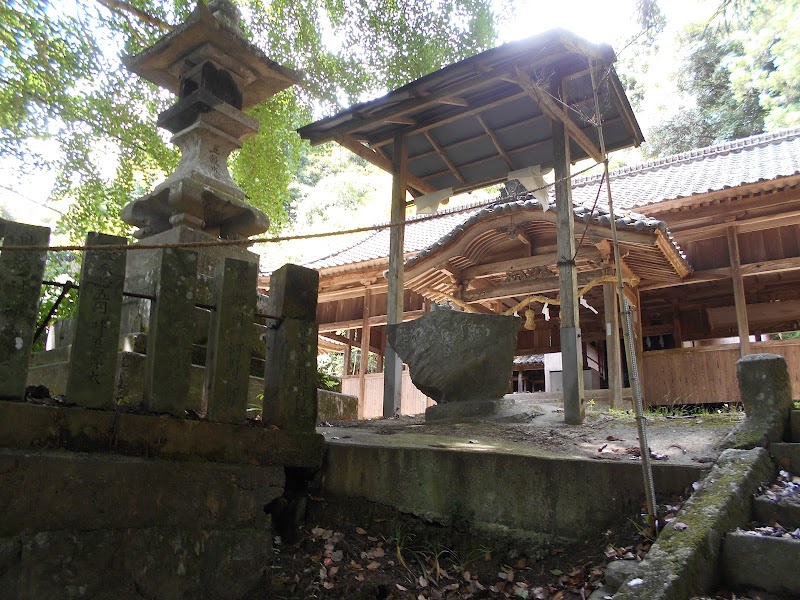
(332,406)
(683,562)
(50,491)
(29,426)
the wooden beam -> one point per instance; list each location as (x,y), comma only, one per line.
(453,101)
(381,162)
(392,380)
(364,363)
(549,106)
(335,337)
(450,165)
(374,321)
(495,141)
(738,291)
(528,262)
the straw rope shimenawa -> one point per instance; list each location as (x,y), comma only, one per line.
(263,240)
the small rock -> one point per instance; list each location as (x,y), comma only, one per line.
(618,571)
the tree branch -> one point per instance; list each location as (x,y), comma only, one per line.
(119,6)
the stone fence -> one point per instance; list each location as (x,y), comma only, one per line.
(290,400)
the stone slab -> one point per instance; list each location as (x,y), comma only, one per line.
(93,357)
(441,479)
(684,563)
(50,491)
(228,355)
(785,511)
(131,564)
(169,340)
(467,409)
(35,427)
(20,288)
(332,406)
(766,563)
(786,456)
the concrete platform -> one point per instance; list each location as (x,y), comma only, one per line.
(475,474)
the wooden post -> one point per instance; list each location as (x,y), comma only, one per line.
(572,362)
(392,378)
(364,366)
(346,361)
(738,292)
(613,354)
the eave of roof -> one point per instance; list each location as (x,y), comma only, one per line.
(469,124)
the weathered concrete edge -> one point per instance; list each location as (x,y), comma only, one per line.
(549,499)
(31,426)
(685,563)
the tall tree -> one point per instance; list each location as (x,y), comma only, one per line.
(741,76)
(62,80)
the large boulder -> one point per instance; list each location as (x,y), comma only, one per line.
(456,356)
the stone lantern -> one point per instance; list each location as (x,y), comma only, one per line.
(216,73)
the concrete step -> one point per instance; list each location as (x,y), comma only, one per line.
(786,456)
(785,511)
(766,563)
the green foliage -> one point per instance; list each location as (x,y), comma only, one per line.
(743,72)
(62,80)
(326,381)
(61,267)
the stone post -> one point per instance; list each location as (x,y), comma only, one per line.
(20,287)
(228,362)
(290,374)
(93,358)
(766,392)
(169,341)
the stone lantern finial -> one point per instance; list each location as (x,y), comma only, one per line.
(216,73)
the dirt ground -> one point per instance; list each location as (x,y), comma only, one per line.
(540,427)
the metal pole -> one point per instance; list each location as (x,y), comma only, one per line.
(627,330)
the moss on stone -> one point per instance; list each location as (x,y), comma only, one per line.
(683,562)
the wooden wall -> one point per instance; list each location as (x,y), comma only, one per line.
(413,401)
(706,374)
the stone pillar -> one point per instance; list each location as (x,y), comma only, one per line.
(766,391)
(228,362)
(290,373)
(93,358)
(169,340)
(20,287)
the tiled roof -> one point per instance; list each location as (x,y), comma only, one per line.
(420,232)
(740,162)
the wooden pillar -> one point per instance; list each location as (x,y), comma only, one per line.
(346,361)
(738,292)
(613,354)
(677,328)
(364,366)
(572,362)
(393,370)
